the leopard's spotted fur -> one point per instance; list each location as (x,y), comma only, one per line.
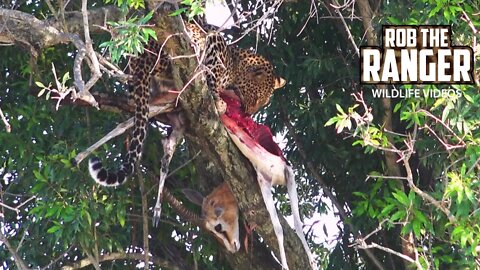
(151,69)
(249,75)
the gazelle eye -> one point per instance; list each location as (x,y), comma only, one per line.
(218,228)
(218,211)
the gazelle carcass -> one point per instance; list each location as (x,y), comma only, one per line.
(271,167)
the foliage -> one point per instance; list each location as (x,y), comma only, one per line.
(126,4)
(129,37)
(192,9)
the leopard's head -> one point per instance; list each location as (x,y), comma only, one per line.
(255,80)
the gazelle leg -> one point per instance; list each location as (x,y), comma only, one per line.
(266,189)
(169,144)
(292,193)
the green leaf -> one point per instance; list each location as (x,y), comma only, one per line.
(150,32)
(40,84)
(332,121)
(341,125)
(387,209)
(86,214)
(360,209)
(420,216)
(463,239)
(446,111)
(394,20)
(468,98)
(177,12)
(39,176)
(51,211)
(39,185)
(65,78)
(121,218)
(434,11)
(397,107)
(339,109)
(402,198)
(416,228)
(411,196)
(359,194)
(41,92)
(68,218)
(398,215)
(407,228)
(54,228)
(68,214)
(457,230)
(146,18)
(446,14)
(470,195)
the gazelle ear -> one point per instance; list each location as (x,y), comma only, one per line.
(193,196)
(279,83)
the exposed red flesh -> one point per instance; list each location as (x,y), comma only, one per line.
(260,134)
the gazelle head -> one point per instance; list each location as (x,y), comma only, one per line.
(219,215)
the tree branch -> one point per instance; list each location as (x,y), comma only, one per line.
(362,244)
(411,184)
(365,246)
(18,260)
(95,69)
(24,28)
(8,128)
(146,247)
(120,256)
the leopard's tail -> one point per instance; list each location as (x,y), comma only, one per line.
(106,177)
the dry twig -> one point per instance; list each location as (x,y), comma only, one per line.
(17,209)
(8,127)
(146,246)
(340,15)
(121,256)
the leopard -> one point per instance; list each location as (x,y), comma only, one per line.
(249,75)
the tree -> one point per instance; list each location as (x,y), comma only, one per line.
(401,174)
